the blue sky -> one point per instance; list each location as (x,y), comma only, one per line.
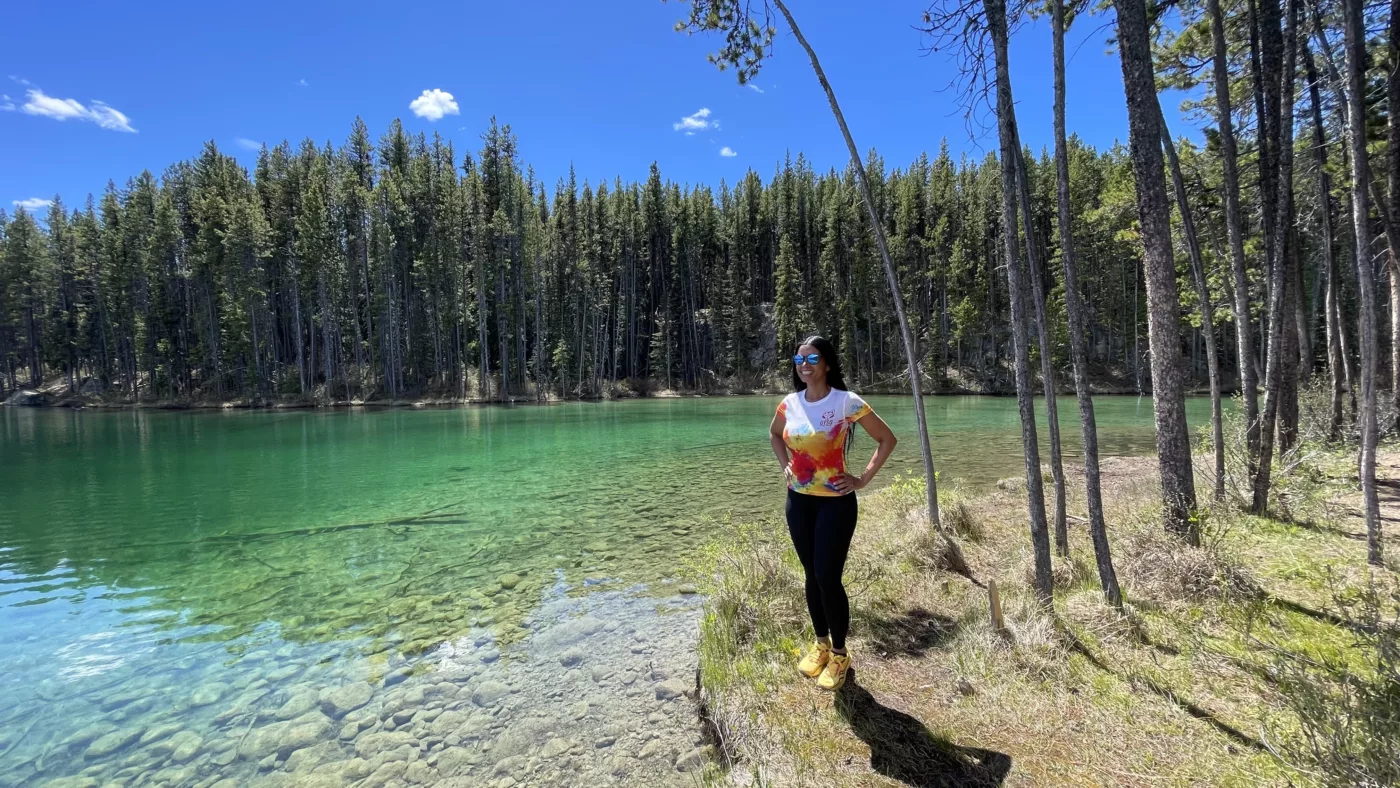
(105,90)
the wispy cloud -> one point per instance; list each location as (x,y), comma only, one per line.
(98,112)
(755,88)
(434,104)
(728,152)
(696,122)
(302,83)
(33,204)
(244,142)
(7,104)
(21,81)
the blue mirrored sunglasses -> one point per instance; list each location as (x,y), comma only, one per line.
(811,358)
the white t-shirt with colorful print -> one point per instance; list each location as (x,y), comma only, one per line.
(816,434)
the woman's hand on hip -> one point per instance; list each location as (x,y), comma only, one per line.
(848,483)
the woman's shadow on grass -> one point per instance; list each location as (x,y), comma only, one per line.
(903,749)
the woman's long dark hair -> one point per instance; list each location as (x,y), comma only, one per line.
(834,378)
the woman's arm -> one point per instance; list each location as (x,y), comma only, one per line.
(775,439)
(884,436)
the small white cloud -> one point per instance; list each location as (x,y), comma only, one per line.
(33,204)
(697,122)
(434,104)
(109,118)
(244,142)
(755,88)
(99,112)
(303,83)
(728,152)
(6,103)
(21,81)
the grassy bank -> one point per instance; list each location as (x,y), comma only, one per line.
(1250,661)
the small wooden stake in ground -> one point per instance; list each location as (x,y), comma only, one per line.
(998,622)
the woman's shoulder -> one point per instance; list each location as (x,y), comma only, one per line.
(856,406)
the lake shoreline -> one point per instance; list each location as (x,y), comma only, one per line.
(47,398)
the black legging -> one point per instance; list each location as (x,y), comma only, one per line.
(821,528)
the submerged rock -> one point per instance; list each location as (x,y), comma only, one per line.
(88,734)
(297,705)
(185,745)
(370,745)
(208,694)
(283,738)
(159,732)
(668,690)
(489,693)
(573,631)
(695,759)
(338,702)
(555,747)
(112,742)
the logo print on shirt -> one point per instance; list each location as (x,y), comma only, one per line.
(828,418)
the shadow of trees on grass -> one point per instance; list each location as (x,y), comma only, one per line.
(909,633)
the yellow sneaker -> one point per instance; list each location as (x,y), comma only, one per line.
(816,659)
(835,674)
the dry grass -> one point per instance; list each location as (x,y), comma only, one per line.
(1179,688)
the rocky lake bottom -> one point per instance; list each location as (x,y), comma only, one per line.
(599,690)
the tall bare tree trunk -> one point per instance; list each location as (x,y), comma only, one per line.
(1198,276)
(1244,338)
(1047,367)
(1098,531)
(1342,89)
(1159,271)
(1391,210)
(1335,372)
(910,354)
(1016,285)
(1366,298)
(1282,356)
(1267,22)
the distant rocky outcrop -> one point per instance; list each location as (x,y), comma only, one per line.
(27,398)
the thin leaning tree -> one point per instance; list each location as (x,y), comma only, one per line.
(1355,36)
(1206,308)
(1012,178)
(1098,529)
(746,44)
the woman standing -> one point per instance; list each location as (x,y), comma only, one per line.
(810,435)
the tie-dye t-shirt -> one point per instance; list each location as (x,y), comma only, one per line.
(816,433)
